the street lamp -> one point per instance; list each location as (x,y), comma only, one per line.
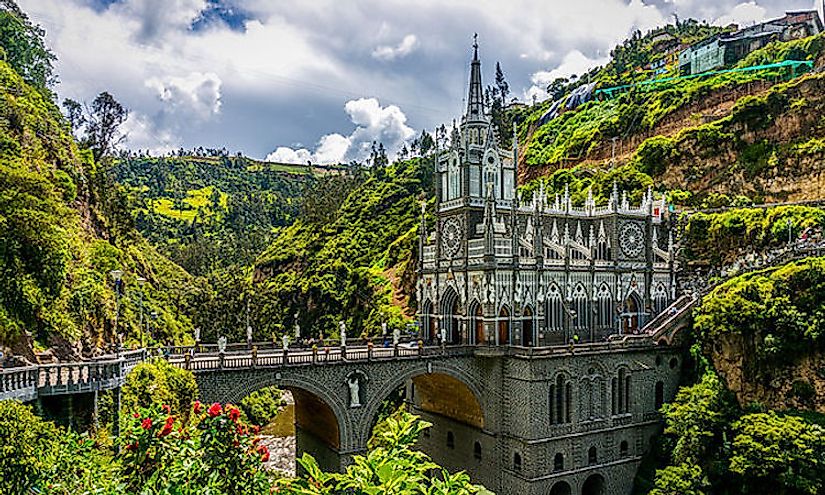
(141,282)
(117,277)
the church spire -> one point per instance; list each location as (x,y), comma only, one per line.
(475,99)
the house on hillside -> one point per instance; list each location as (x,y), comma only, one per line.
(727,49)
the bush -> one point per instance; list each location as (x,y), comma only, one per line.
(158,382)
(27,444)
(261,406)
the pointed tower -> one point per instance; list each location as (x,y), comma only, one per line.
(475,98)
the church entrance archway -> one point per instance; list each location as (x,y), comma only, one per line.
(527,327)
(593,485)
(504,326)
(561,488)
(632,313)
(451,312)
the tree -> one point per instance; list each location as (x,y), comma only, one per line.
(74,113)
(103,121)
(779,454)
(683,479)
(501,84)
(557,88)
(24,48)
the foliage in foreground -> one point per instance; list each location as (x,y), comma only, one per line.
(211,450)
(391,468)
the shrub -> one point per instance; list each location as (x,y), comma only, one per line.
(158,382)
(27,443)
(261,406)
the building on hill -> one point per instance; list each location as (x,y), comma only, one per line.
(503,270)
(728,48)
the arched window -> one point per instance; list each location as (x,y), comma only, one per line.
(580,304)
(558,462)
(555,310)
(450,440)
(455,179)
(477,450)
(605,307)
(623,449)
(591,456)
(504,326)
(552,404)
(568,401)
(660,395)
(560,400)
(516,462)
(660,298)
(620,386)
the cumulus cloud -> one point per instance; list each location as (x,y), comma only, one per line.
(404,48)
(574,63)
(196,92)
(744,14)
(142,134)
(373,123)
(156,17)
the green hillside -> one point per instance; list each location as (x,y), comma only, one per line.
(672,131)
(63,228)
(209,210)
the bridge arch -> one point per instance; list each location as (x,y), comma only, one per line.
(458,379)
(318,410)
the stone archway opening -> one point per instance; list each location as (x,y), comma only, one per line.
(306,424)
(477,314)
(561,488)
(631,316)
(527,327)
(593,485)
(504,326)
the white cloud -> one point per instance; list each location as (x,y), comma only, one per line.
(744,14)
(142,134)
(373,123)
(155,18)
(404,48)
(197,92)
(574,63)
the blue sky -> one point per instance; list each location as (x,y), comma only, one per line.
(320,79)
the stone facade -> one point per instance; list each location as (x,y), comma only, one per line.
(503,270)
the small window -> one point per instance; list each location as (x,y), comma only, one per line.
(558,462)
(516,462)
(450,440)
(623,449)
(477,450)
(660,395)
(674,363)
(658,360)
(591,456)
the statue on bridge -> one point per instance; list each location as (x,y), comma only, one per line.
(396,337)
(354,391)
(342,329)
(297,329)
(222,344)
(285,341)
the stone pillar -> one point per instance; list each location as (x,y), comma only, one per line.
(116,412)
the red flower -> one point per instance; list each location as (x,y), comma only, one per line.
(264,453)
(136,415)
(256,429)
(167,428)
(215,410)
(234,414)
(166,409)
(132,446)
(256,440)
(146,423)
(197,406)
